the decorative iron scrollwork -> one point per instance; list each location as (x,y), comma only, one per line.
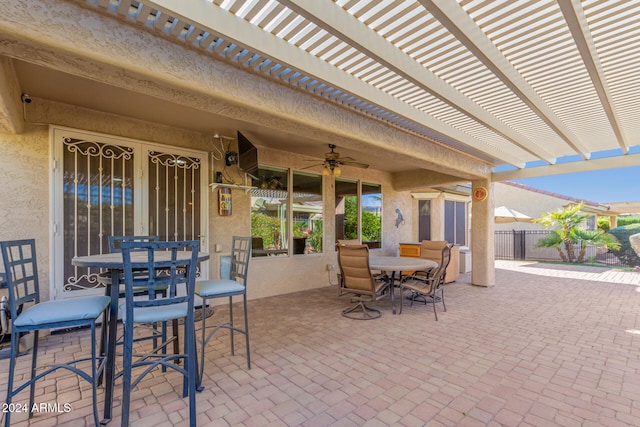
(172,160)
(97,149)
(84,281)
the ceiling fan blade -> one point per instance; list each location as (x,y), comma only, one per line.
(354,164)
(312,166)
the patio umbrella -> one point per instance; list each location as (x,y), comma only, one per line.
(504,215)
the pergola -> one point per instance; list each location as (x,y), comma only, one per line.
(450,89)
(508,82)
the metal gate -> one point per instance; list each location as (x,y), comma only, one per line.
(521,245)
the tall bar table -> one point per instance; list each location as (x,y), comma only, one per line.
(114,263)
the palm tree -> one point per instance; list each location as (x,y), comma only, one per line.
(567,232)
(594,237)
(553,240)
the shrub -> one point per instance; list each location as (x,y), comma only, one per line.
(628,220)
(626,254)
(604,223)
(268,228)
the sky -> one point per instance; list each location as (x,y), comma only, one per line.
(612,185)
(600,186)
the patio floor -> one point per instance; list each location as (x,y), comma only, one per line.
(547,345)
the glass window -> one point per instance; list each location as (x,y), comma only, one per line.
(455,222)
(424,220)
(307,213)
(461,223)
(269,212)
(346,197)
(449,221)
(372,215)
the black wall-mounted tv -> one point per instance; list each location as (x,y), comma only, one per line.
(247,157)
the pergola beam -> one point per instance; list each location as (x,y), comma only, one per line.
(211,18)
(577,22)
(628,160)
(458,22)
(333,19)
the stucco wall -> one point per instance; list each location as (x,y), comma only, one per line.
(25,172)
(278,275)
(527,202)
(24,193)
(25,183)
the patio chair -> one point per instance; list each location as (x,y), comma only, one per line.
(432,249)
(344,242)
(168,267)
(115,246)
(234,285)
(299,244)
(427,285)
(29,315)
(429,249)
(358,281)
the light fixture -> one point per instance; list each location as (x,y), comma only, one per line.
(331,168)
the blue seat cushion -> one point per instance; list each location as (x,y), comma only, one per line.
(156,313)
(220,287)
(67,310)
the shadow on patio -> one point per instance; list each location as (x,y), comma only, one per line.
(536,349)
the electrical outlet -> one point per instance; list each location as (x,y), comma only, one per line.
(330,267)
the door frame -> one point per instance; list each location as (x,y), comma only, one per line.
(56,204)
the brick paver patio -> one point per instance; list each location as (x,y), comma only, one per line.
(546,346)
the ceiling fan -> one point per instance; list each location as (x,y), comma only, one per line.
(333,161)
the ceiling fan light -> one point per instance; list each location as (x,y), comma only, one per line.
(325,171)
(336,170)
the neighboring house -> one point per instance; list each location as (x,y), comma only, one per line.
(517,240)
(535,203)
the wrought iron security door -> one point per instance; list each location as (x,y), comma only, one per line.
(111,186)
(174,196)
(98,195)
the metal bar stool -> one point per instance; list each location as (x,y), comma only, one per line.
(20,266)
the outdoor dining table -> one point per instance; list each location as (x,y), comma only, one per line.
(115,264)
(395,265)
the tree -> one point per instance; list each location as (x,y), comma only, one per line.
(371,222)
(567,232)
(351,217)
(594,237)
(553,240)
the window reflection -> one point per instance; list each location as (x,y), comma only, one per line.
(307,213)
(424,220)
(346,197)
(372,215)
(269,212)
(455,220)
